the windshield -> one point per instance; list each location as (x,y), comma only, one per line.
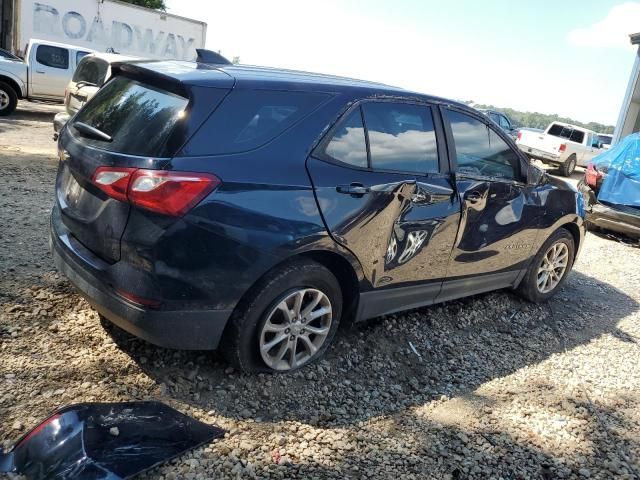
(137,117)
(605,139)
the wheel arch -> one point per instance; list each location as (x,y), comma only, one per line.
(574,230)
(13,84)
(346,270)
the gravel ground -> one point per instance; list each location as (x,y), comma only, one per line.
(490,386)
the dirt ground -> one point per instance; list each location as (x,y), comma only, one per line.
(486,387)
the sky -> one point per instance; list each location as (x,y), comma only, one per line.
(570,57)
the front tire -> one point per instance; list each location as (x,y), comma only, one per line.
(549,268)
(288,321)
(8,99)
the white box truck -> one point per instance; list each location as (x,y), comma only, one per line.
(52,36)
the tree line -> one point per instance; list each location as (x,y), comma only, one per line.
(542,120)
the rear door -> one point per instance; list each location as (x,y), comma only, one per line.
(50,70)
(383,186)
(497,227)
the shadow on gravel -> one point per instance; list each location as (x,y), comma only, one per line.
(371,370)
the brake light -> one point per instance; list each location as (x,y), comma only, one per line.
(519,135)
(562,147)
(592,176)
(161,191)
(170,193)
(113,181)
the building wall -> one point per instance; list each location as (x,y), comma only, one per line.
(629,118)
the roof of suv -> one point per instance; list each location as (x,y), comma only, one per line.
(251,76)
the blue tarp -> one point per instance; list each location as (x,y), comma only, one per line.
(622,183)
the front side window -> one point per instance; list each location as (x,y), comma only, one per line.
(139,118)
(479,150)
(401,137)
(54,57)
(348,143)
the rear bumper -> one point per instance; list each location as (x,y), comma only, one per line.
(542,156)
(606,217)
(180,329)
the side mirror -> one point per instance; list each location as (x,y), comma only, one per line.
(105,441)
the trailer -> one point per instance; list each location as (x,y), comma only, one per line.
(100,25)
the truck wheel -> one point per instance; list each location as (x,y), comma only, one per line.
(8,99)
(568,167)
(288,321)
(549,268)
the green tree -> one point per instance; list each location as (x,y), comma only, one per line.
(154,4)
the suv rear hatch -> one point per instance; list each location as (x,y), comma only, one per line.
(135,122)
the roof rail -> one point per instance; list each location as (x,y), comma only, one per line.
(211,57)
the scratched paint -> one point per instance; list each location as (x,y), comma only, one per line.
(104,26)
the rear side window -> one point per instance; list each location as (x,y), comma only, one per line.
(91,70)
(138,117)
(569,133)
(248,119)
(401,137)
(54,57)
(348,143)
(577,136)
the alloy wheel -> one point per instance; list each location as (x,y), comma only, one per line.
(4,100)
(295,329)
(553,267)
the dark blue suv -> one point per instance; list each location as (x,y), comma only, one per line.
(252,209)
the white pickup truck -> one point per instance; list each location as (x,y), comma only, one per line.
(43,75)
(561,145)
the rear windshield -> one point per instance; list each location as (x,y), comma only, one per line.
(91,70)
(247,119)
(569,133)
(137,117)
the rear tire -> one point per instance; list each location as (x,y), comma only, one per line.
(569,166)
(8,99)
(259,320)
(544,277)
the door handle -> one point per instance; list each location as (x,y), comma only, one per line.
(355,189)
(39,71)
(473,196)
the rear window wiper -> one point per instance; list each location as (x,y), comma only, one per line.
(92,132)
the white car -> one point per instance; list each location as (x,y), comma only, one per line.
(46,70)
(561,145)
(92,72)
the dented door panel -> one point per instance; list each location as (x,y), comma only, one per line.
(401,227)
(498,227)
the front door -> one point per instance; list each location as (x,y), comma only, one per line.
(50,70)
(385,194)
(498,223)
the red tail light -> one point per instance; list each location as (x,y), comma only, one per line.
(519,135)
(113,181)
(562,147)
(592,176)
(170,193)
(166,192)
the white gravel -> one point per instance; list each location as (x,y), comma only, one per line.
(496,387)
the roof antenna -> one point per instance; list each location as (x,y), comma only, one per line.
(211,57)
